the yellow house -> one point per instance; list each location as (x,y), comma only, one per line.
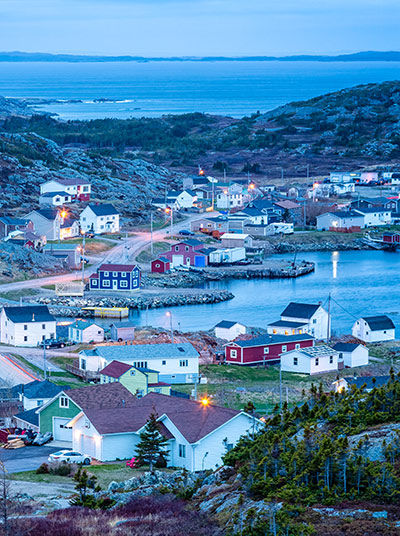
(138,381)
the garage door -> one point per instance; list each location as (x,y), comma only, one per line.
(200,261)
(60,431)
(88,445)
(177,260)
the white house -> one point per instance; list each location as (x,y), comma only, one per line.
(38,392)
(228,330)
(231,196)
(375,216)
(53,223)
(310,360)
(374,329)
(352,354)
(340,220)
(86,332)
(176,362)
(26,326)
(55,199)
(77,187)
(183,199)
(198,434)
(99,219)
(300,318)
(232,240)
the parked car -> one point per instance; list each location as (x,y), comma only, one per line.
(185,232)
(70,456)
(52,343)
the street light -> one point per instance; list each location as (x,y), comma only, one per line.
(167,211)
(169,314)
(205,401)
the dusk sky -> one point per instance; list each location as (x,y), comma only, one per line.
(199,27)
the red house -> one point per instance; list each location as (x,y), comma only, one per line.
(187,253)
(160,266)
(391,238)
(264,349)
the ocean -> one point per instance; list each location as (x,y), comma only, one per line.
(152,89)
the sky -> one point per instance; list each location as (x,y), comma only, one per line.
(199,27)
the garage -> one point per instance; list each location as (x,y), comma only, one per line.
(177,260)
(60,430)
(88,446)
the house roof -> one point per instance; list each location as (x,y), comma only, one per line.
(162,259)
(193,420)
(239,236)
(116,369)
(126,324)
(226,324)
(379,322)
(300,310)
(54,194)
(105,209)
(342,214)
(83,324)
(369,382)
(42,389)
(288,205)
(133,352)
(72,182)
(264,340)
(116,268)
(287,324)
(13,221)
(317,351)
(106,395)
(192,242)
(346,346)
(29,313)
(48,213)
(67,222)
(29,416)
(371,210)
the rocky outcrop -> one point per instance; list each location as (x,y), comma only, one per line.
(15,261)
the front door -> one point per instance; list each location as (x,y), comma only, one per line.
(115,284)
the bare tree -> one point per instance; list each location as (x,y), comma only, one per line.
(5,499)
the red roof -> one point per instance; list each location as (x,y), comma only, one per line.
(192,419)
(116,268)
(159,384)
(115,369)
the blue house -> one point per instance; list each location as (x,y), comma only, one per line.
(122,277)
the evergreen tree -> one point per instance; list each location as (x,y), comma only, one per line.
(152,443)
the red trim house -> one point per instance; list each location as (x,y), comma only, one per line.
(187,253)
(160,266)
(391,238)
(264,349)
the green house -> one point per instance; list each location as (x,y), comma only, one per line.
(55,414)
(138,381)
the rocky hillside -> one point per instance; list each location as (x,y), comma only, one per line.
(350,128)
(27,160)
(13,107)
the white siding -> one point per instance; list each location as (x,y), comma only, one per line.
(317,325)
(229,334)
(308,365)
(362,331)
(14,334)
(358,358)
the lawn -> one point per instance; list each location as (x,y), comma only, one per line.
(158,248)
(92,245)
(17,294)
(105,474)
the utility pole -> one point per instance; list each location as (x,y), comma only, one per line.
(44,360)
(304,215)
(170,326)
(151,234)
(83,257)
(328,335)
(280,385)
(308,171)
(172,219)
(282,173)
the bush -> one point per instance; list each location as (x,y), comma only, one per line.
(42,469)
(60,469)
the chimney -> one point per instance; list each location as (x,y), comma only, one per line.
(33,317)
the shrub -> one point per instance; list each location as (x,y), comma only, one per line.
(60,469)
(42,469)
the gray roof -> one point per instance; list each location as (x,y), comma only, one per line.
(264,340)
(287,324)
(29,416)
(54,194)
(105,209)
(13,221)
(371,210)
(48,213)
(42,389)
(378,323)
(346,346)
(144,351)
(226,324)
(343,214)
(29,313)
(126,324)
(317,351)
(300,310)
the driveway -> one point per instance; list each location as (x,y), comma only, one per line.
(25,458)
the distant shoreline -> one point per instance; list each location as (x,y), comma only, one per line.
(370,56)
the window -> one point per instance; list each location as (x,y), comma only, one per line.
(314,321)
(106,283)
(284,348)
(266,350)
(316,361)
(186,248)
(164,362)
(26,327)
(83,364)
(234,353)
(295,361)
(106,274)
(124,284)
(115,274)
(183,363)
(94,282)
(43,326)
(331,359)
(176,248)
(182,451)
(123,274)
(64,402)
(25,338)
(297,346)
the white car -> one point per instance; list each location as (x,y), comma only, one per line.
(70,456)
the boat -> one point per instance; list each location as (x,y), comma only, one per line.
(376,243)
(107,312)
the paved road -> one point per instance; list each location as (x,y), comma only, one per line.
(25,458)
(125,251)
(12,373)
